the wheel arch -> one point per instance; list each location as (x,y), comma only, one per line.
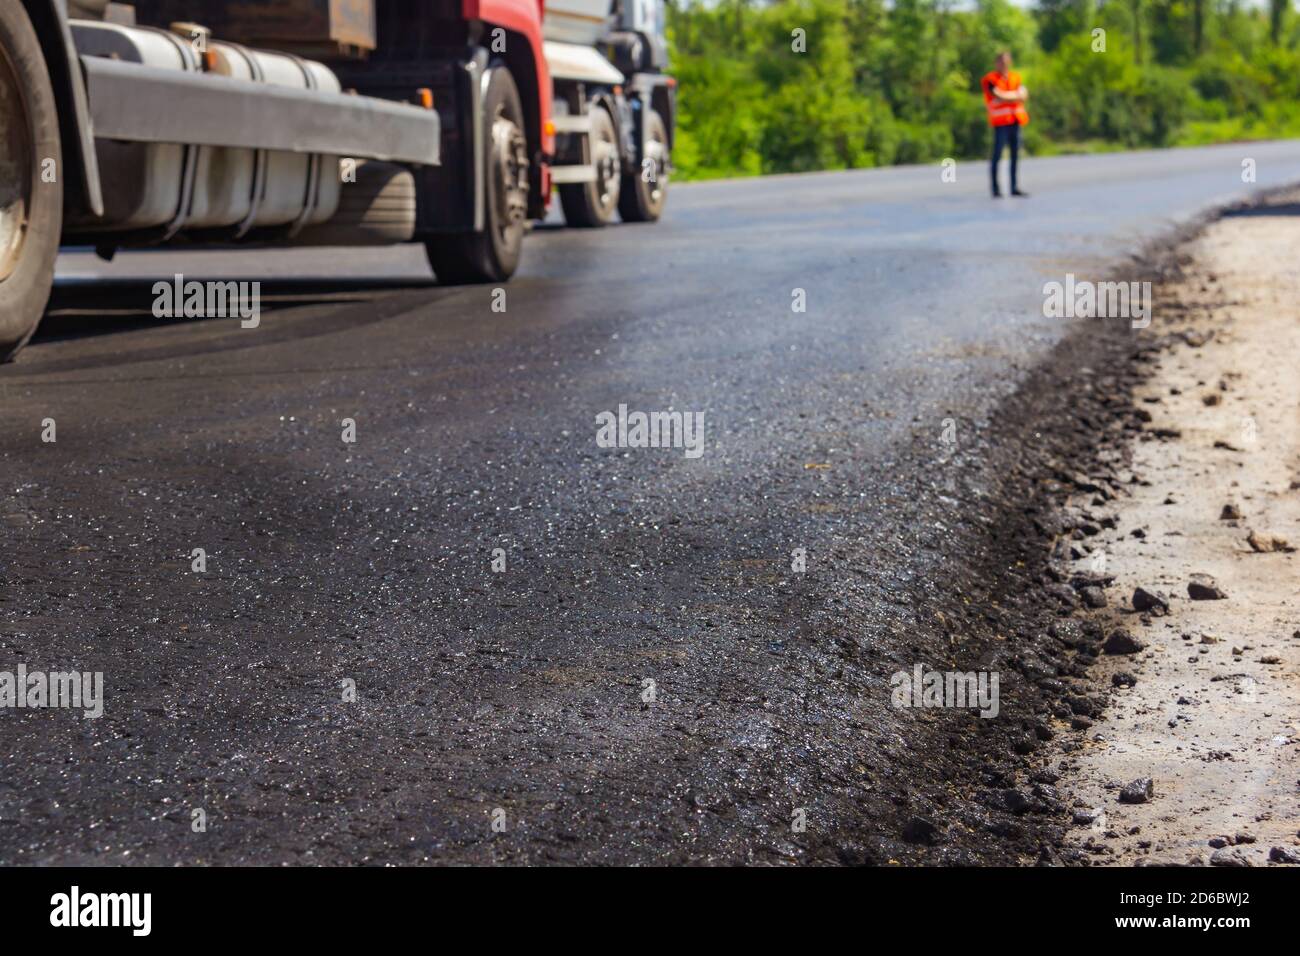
(522,22)
(519,60)
(80,167)
(663,100)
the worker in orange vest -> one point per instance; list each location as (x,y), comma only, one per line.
(1005,97)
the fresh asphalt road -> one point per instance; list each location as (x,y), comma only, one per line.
(644,681)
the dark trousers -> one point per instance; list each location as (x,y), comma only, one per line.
(1005,136)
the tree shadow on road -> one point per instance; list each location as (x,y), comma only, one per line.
(91,307)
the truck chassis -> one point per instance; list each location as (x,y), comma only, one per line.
(431,121)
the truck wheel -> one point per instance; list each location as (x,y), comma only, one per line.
(31,210)
(593,204)
(645,190)
(493,255)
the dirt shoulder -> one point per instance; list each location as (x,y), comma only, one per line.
(1205,699)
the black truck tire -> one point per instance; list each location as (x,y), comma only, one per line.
(645,190)
(31,181)
(591,205)
(493,254)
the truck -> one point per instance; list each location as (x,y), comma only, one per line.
(212,123)
(614,108)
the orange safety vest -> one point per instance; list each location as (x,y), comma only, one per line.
(1002,113)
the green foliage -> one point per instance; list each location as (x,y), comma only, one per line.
(772,86)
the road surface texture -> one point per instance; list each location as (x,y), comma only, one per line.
(648,680)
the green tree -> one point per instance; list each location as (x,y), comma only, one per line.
(879,82)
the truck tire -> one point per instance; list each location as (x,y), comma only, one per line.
(590,205)
(31,210)
(493,255)
(645,190)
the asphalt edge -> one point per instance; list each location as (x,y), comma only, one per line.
(1066,429)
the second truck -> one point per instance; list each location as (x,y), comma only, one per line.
(325,122)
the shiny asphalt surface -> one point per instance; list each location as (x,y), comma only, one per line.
(644,682)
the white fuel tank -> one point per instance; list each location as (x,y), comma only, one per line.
(148,185)
(222,188)
(143,182)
